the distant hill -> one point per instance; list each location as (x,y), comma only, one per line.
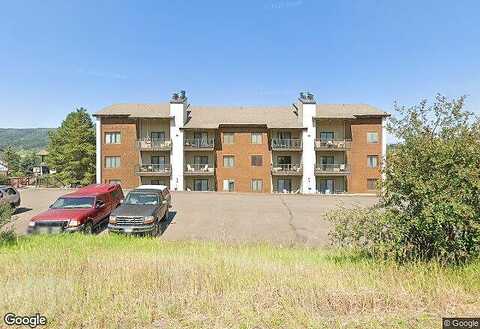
(27,139)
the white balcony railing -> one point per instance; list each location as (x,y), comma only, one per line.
(154,144)
(339,168)
(203,169)
(153,169)
(199,143)
(286,144)
(287,169)
(340,144)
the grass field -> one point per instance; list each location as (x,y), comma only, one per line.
(120,282)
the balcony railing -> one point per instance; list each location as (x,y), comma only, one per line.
(332,145)
(287,169)
(154,144)
(199,169)
(286,144)
(153,169)
(199,144)
(333,169)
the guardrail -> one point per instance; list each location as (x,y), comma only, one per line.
(340,144)
(154,144)
(199,143)
(203,169)
(339,168)
(287,169)
(153,169)
(286,144)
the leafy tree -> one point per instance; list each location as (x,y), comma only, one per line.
(431,194)
(72,149)
(27,162)
(12,158)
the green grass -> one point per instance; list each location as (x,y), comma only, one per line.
(120,282)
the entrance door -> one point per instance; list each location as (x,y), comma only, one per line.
(327,162)
(284,185)
(200,184)
(327,186)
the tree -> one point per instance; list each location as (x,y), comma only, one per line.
(12,158)
(27,162)
(72,149)
(430,199)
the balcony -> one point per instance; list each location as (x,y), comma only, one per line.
(287,170)
(154,145)
(286,144)
(332,145)
(153,170)
(199,144)
(199,170)
(339,169)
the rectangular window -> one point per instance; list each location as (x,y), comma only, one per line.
(256,138)
(284,185)
(200,159)
(157,135)
(228,138)
(257,185)
(159,160)
(115,181)
(371,184)
(284,135)
(257,161)
(113,138)
(112,162)
(229,185)
(200,184)
(372,161)
(284,160)
(372,137)
(327,135)
(228,161)
(201,135)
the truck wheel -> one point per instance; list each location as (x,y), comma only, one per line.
(88,228)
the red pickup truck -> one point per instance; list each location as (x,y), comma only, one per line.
(83,210)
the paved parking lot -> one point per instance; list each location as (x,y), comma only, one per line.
(234,217)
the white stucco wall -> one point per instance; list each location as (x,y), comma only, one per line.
(177,111)
(308,152)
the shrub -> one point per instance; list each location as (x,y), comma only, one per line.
(431,195)
(7,236)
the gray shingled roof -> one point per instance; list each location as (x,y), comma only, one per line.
(135,110)
(347,110)
(213,116)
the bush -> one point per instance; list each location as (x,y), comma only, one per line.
(4,180)
(431,195)
(7,236)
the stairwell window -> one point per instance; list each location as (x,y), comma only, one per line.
(372,137)
(372,161)
(257,185)
(256,138)
(113,137)
(112,162)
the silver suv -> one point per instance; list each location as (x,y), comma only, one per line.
(9,195)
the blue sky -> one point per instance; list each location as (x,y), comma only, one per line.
(59,55)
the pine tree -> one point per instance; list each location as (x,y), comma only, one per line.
(72,149)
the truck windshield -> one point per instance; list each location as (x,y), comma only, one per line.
(71,203)
(141,198)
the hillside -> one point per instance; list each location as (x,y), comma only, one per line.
(28,138)
(111,281)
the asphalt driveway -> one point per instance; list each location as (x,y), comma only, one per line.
(230,217)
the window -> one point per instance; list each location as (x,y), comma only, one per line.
(327,186)
(158,160)
(157,135)
(112,162)
(228,138)
(257,185)
(201,135)
(327,135)
(112,137)
(256,138)
(200,159)
(372,137)
(200,184)
(371,184)
(257,160)
(115,181)
(228,185)
(372,161)
(284,135)
(228,161)
(284,160)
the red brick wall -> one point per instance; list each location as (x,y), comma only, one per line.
(129,155)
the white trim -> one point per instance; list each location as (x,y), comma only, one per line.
(308,148)
(98,135)
(177,113)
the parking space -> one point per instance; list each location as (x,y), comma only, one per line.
(230,217)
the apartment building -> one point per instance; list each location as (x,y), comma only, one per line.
(302,148)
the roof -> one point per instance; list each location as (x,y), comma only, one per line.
(214,116)
(347,111)
(136,110)
(92,190)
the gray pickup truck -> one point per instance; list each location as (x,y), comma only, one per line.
(142,211)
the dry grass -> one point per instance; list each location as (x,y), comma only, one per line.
(120,282)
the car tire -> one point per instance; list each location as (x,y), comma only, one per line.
(88,228)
